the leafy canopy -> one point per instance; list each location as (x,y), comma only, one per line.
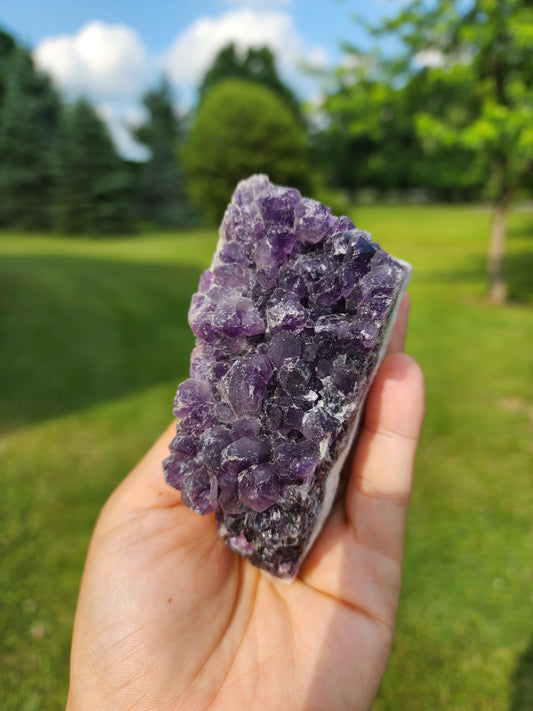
(482,50)
(242,128)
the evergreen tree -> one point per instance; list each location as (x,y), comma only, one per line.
(163,193)
(29,122)
(7,50)
(254,65)
(242,128)
(92,194)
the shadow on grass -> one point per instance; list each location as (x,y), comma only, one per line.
(518,268)
(473,269)
(519,271)
(519,260)
(76,331)
(523,227)
(521,692)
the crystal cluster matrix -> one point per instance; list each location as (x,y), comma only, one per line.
(291,321)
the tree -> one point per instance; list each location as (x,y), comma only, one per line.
(369,137)
(92,193)
(255,65)
(482,47)
(29,125)
(368,132)
(242,128)
(163,192)
(7,51)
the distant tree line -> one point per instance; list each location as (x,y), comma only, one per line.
(60,170)
(451,113)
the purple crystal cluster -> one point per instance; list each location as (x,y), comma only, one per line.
(290,323)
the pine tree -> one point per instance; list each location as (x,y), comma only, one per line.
(256,65)
(29,123)
(92,193)
(163,193)
(7,50)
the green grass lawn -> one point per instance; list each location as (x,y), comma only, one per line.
(93,340)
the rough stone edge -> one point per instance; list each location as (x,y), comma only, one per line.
(345,442)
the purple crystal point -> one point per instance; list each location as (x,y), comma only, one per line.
(284,345)
(277,205)
(291,321)
(312,220)
(285,312)
(201,317)
(294,376)
(237,316)
(259,487)
(190,393)
(243,453)
(246,427)
(186,444)
(297,460)
(214,440)
(318,424)
(233,252)
(243,387)
(344,376)
(284,414)
(199,491)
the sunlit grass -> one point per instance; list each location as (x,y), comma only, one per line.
(93,340)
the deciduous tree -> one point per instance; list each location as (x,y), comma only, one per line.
(242,128)
(482,56)
(368,135)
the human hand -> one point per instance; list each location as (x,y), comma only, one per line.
(169,618)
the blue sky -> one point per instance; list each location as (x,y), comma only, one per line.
(113,51)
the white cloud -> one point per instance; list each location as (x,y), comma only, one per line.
(317,57)
(100,60)
(194,49)
(119,120)
(432,58)
(110,64)
(107,63)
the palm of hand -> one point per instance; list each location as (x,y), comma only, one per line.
(169,618)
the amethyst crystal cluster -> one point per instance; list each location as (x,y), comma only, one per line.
(290,323)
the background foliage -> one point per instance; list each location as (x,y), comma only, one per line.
(29,128)
(91,183)
(162,190)
(242,128)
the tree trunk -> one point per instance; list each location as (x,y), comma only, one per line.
(497,286)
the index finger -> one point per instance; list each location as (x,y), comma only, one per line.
(381,480)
